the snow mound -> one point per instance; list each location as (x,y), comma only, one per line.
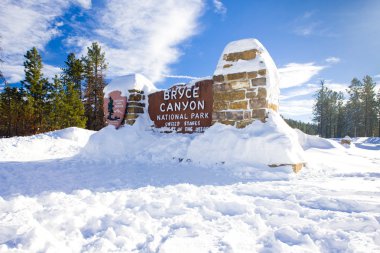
(273,142)
(310,141)
(52,145)
(129,82)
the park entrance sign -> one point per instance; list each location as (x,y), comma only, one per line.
(243,88)
(183,108)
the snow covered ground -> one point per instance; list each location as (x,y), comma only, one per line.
(58,195)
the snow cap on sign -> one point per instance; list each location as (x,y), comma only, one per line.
(129,82)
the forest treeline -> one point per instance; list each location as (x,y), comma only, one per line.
(73,98)
(356,115)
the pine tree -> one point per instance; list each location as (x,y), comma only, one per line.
(368,97)
(74,108)
(340,120)
(95,66)
(37,88)
(320,109)
(57,113)
(74,72)
(354,109)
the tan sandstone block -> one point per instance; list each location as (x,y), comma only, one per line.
(262,92)
(258,103)
(219,78)
(259,114)
(136,91)
(236,76)
(133,103)
(258,81)
(247,114)
(245,55)
(240,84)
(130,121)
(230,95)
(297,167)
(251,94)
(235,115)
(228,122)
(239,105)
(135,110)
(219,116)
(131,116)
(220,105)
(135,97)
(222,87)
(262,72)
(252,74)
(274,107)
(243,123)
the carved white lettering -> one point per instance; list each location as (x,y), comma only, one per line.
(166,95)
(162,107)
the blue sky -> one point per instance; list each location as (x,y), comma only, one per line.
(309,40)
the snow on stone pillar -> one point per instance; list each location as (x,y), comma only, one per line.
(246,84)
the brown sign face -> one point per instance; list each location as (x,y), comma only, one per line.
(182,108)
(114,108)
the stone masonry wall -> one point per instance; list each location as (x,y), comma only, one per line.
(240,98)
(135,106)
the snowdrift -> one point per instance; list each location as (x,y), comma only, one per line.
(269,143)
(52,145)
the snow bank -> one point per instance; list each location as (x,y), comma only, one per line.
(52,145)
(310,141)
(273,142)
(129,82)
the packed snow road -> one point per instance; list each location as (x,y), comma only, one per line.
(55,199)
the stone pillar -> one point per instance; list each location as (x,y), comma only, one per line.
(245,84)
(135,106)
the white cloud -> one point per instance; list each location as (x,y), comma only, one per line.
(26,24)
(300,109)
(181,76)
(85,4)
(332,60)
(219,7)
(295,74)
(143,36)
(336,86)
(50,71)
(293,92)
(13,73)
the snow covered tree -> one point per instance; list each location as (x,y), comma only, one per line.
(37,88)
(94,69)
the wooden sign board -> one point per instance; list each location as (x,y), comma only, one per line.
(114,108)
(183,108)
